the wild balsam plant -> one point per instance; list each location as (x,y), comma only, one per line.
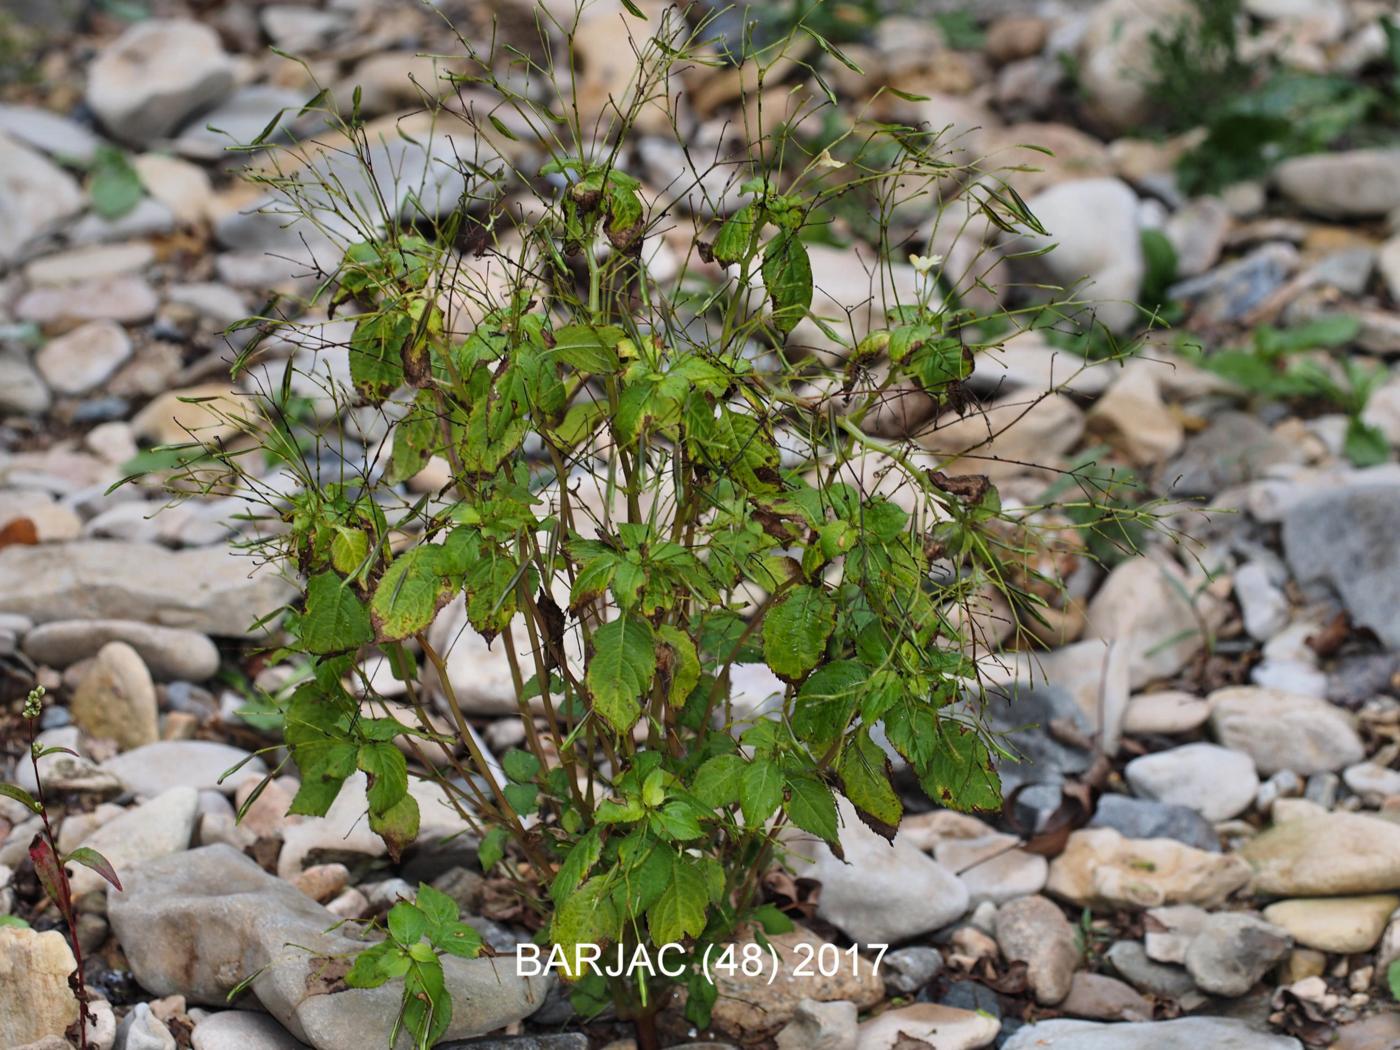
(651,481)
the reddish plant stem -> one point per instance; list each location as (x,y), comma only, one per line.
(65,904)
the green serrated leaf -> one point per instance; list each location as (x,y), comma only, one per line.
(387,769)
(685,662)
(519,765)
(812,808)
(865,779)
(787,275)
(335,619)
(760,791)
(735,236)
(717,781)
(492,849)
(796,630)
(588,916)
(624,661)
(680,910)
(409,594)
(407,923)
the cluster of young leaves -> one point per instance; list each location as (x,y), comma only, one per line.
(420,933)
(1272,367)
(1254,112)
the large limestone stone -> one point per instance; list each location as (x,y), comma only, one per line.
(1185,1033)
(1345,925)
(1282,730)
(882,892)
(199,923)
(208,589)
(35,1002)
(155,74)
(753,1007)
(116,699)
(1100,868)
(1325,855)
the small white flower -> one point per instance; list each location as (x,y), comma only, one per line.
(924,264)
(826,160)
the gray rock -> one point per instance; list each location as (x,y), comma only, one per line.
(1233,449)
(1142,818)
(1216,782)
(1349,183)
(883,892)
(1034,930)
(35,197)
(54,134)
(170,652)
(1102,998)
(22,390)
(1022,714)
(1234,289)
(237,120)
(1130,961)
(157,73)
(210,589)
(197,924)
(907,970)
(153,829)
(1185,1033)
(1233,951)
(156,768)
(242,1030)
(1346,539)
(820,1026)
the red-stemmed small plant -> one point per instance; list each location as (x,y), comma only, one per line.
(45,856)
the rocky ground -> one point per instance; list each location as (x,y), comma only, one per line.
(1202,843)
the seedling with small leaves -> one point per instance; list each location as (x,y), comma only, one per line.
(50,863)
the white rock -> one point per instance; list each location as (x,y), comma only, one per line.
(22,390)
(1214,781)
(883,892)
(1168,712)
(1282,730)
(35,1001)
(992,868)
(157,73)
(1132,416)
(241,1030)
(1262,602)
(1351,183)
(60,137)
(1369,779)
(1158,610)
(35,196)
(1093,224)
(182,187)
(90,263)
(83,358)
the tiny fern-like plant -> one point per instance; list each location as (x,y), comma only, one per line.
(645,477)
